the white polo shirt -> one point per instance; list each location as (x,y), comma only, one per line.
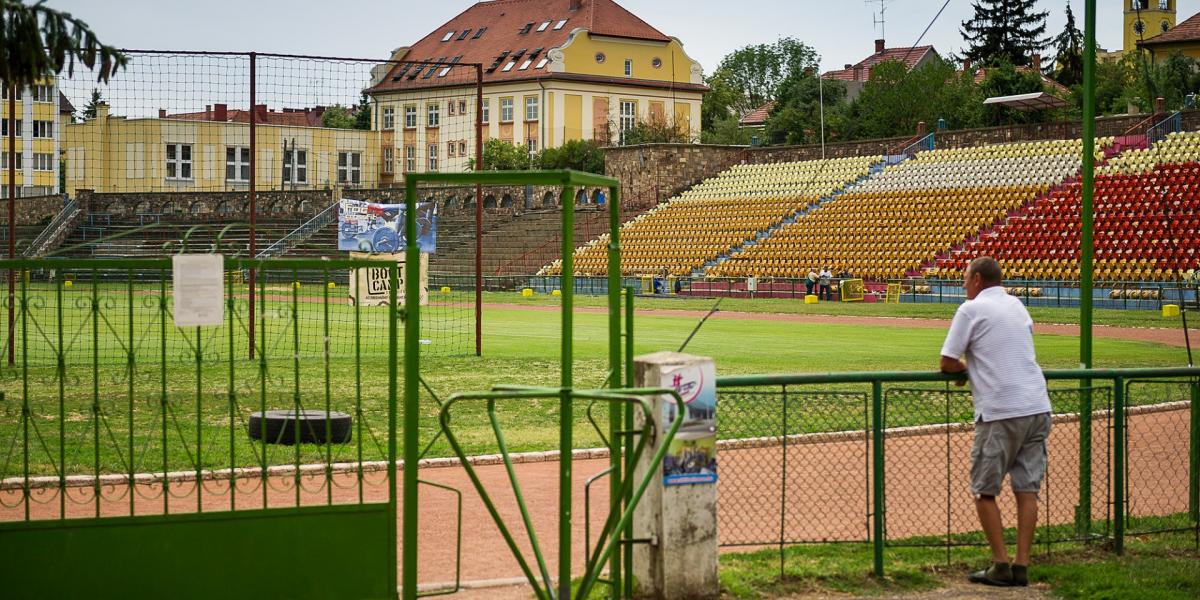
(995,334)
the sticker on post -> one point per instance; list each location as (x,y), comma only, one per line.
(692,456)
(198,289)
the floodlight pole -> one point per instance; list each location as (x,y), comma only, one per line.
(12,219)
(478,212)
(252,200)
(1083,515)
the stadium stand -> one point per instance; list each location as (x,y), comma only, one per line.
(719,214)
(1146,209)
(891,224)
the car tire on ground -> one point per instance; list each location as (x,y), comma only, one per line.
(281,427)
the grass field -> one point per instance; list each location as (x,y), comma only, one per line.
(102,402)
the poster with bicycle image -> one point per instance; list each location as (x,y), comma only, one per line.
(373,227)
(691,457)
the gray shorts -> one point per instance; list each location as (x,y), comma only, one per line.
(1016,447)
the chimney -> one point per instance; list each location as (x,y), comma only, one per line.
(858,73)
(162,113)
(879,46)
(102,110)
(1037,63)
(849,66)
(966,65)
(260,110)
(1160,104)
(220,112)
(921,128)
(576,5)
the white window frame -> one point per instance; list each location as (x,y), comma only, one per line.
(531,145)
(389,156)
(543,26)
(240,164)
(449,36)
(531,108)
(349,167)
(629,67)
(506,110)
(433,157)
(410,158)
(450,148)
(43,129)
(627,117)
(42,93)
(560,24)
(410,116)
(487,110)
(389,118)
(4,127)
(299,175)
(178,167)
(433,114)
(43,161)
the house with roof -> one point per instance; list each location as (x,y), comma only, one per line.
(855,76)
(553,71)
(209,150)
(1183,38)
(41,111)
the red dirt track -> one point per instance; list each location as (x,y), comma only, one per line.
(826,493)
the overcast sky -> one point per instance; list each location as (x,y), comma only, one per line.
(842,31)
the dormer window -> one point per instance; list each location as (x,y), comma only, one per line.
(448,36)
(525,65)
(509,66)
(542,63)
(526,29)
(560,24)
(462,36)
(543,26)
(479,33)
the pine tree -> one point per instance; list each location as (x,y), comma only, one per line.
(1004,31)
(1067,67)
(89,111)
(362,115)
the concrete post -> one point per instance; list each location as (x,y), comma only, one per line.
(677,517)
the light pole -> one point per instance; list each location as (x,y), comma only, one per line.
(821,101)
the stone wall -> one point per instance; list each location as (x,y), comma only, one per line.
(36,210)
(654,172)
(305,204)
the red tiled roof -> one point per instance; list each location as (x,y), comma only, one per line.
(1187,31)
(909,56)
(64,105)
(504,20)
(757,116)
(307,117)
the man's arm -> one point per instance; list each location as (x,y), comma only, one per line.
(953,365)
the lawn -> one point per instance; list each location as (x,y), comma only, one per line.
(161,402)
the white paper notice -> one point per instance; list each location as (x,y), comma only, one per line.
(199,289)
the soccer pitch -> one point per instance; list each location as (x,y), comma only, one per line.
(102,403)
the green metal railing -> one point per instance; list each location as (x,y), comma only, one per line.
(112,416)
(840,418)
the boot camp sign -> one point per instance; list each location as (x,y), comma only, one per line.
(371,286)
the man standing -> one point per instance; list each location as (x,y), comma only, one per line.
(1012,412)
(824,279)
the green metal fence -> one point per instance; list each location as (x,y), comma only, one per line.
(127,437)
(882,459)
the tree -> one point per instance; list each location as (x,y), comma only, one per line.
(499,155)
(580,155)
(754,73)
(718,103)
(338,117)
(362,116)
(657,131)
(728,132)
(1067,67)
(1004,31)
(896,98)
(89,111)
(39,42)
(796,118)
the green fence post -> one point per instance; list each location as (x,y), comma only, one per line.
(877,474)
(566,414)
(1083,514)
(1194,468)
(627,549)
(615,409)
(1119,465)
(412,349)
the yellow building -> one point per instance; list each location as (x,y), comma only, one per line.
(210,151)
(1145,20)
(554,71)
(41,112)
(1183,38)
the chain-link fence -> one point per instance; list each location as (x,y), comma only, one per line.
(817,459)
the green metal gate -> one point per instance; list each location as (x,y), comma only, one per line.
(126,458)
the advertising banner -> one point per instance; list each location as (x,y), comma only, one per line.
(692,455)
(372,227)
(371,287)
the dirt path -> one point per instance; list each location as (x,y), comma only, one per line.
(1171,337)
(953,590)
(825,482)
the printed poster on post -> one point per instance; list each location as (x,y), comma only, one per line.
(372,227)
(692,455)
(372,287)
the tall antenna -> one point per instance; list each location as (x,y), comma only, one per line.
(880,19)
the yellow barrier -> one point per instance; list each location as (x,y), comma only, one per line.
(445,289)
(851,290)
(810,299)
(894,290)
(1170,310)
(527,293)
(556,293)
